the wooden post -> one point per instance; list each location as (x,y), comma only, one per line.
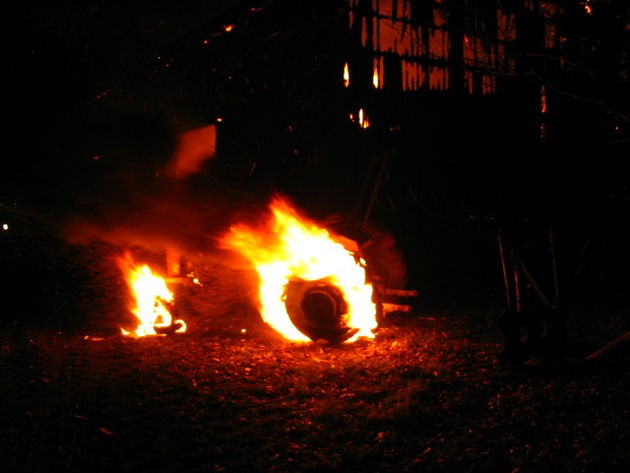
(555,268)
(517,285)
(506,281)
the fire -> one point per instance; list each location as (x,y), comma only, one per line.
(375,76)
(305,276)
(153,300)
(362,119)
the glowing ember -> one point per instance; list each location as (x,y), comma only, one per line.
(152,300)
(297,259)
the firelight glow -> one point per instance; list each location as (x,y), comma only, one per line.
(152,298)
(290,247)
(363,120)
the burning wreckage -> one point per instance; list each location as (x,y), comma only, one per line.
(313,285)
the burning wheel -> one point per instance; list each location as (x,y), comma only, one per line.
(317,309)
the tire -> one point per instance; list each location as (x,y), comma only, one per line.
(318,310)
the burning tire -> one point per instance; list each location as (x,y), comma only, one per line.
(318,310)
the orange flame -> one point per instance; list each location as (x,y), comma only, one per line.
(152,300)
(293,249)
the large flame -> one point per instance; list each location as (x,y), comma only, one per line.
(292,248)
(153,300)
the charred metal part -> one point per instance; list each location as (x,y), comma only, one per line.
(175,324)
(536,331)
(400,292)
(389,300)
(168,329)
(318,309)
(389,307)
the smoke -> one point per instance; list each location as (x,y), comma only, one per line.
(172,201)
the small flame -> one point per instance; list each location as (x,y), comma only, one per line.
(364,122)
(152,300)
(361,119)
(346,75)
(290,248)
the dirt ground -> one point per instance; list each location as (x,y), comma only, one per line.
(428,393)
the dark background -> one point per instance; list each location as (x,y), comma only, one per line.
(96,94)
